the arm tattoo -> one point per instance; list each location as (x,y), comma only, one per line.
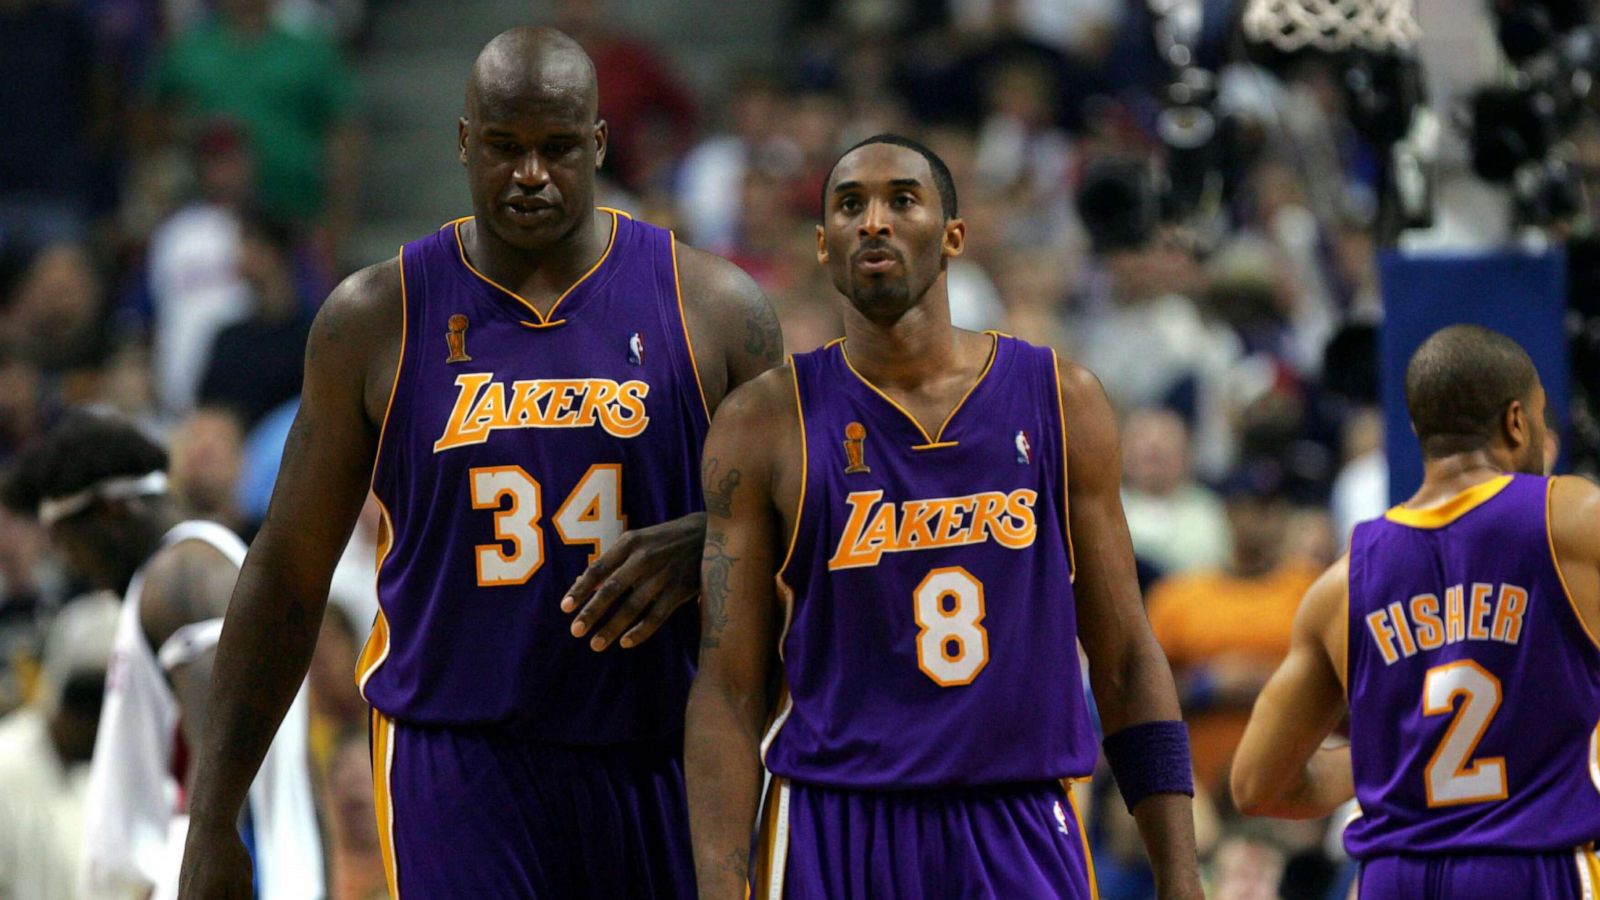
(719,488)
(714,590)
(763,337)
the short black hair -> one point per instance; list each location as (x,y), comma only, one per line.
(84,448)
(942,180)
(1458,385)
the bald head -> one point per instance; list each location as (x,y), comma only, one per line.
(531,64)
(1459,385)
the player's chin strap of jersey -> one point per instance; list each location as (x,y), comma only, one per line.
(125,487)
(1150,758)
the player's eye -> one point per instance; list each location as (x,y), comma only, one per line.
(561,149)
(506,147)
(901,201)
(849,203)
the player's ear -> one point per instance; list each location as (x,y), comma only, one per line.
(1515,423)
(955,238)
(601,136)
(822,246)
(461,139)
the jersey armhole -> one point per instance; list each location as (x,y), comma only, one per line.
(399,372)
(805,470)
(1066,492)
(683,326)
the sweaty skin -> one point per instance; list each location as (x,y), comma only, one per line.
(530,143)
(885,242)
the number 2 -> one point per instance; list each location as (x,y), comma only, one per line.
(591,514)
(1451,776)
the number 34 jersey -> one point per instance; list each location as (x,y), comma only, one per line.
(931,630)
(516,449)
(1474,686)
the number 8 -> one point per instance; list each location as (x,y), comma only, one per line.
(956,626)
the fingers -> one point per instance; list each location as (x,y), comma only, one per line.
(584,588)
(617,586)
(642,597)
(657,615)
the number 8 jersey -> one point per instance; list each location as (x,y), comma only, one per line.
(516,449)
(931,628)
(1474,686)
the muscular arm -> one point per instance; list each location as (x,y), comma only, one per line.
(1279,769)
(735,333)
(739,617)
(1575,534)
(276,610)
(1127,670)
(186,583)
(653,571)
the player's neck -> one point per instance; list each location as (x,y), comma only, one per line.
(538,276)
(1447,476)
(919,346)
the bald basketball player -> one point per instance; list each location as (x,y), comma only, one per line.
(526,391)
(1459,635)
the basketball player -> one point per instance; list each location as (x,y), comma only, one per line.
(923,522)
(99,486)
(1459,635)
(527,390)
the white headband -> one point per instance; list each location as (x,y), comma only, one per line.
(124,487)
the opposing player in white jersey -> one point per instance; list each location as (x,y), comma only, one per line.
(98,485)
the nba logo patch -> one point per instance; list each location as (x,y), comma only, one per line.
(1061,814)
(1024,448)
(635,349)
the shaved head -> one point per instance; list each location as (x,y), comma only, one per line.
(531,140)
(532,63)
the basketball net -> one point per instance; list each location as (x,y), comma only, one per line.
(1331,25)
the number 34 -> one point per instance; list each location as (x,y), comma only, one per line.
(591,514)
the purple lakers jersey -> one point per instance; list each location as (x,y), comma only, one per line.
(517,448)
(1474,686)
(931,634)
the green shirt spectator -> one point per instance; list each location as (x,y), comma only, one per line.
(289,91)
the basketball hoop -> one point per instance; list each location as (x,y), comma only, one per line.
(1331,26)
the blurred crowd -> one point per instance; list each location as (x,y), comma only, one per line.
(178,184)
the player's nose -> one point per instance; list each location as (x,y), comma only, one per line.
(875,222)
(530,170)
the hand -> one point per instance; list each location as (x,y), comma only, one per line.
(216,865)
(651,572)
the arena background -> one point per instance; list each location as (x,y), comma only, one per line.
(1240,219)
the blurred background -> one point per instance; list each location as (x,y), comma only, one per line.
(1216,205)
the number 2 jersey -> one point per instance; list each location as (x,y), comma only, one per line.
(517,448)
(1474,686)
(931,630)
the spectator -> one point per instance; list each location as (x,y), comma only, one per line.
(257,364)
(56,314)
(648,110)
(293,97)
(1176,524)
(196,287)
(712,174)
(44,756)
(1225,630)
(207,453)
